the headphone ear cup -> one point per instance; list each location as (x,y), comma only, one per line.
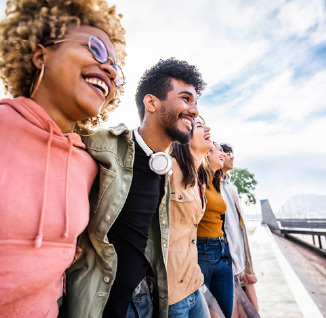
(160,163)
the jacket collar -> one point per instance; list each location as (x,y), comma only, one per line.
(119,129)
(101,140)
(227,178)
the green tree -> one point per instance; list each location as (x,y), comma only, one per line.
(245,182)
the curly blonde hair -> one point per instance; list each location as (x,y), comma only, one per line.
(32,22)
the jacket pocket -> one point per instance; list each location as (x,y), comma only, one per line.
(182,207)
(181,195)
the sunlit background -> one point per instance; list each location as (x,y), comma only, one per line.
(265,66)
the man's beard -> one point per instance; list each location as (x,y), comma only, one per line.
(170,122)
(176,135)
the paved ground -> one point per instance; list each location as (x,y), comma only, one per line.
(310,269)
(291,281)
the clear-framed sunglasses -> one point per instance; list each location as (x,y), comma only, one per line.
(100,54)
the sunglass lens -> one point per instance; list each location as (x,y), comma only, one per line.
(101,54)
(98,49)
(119,80)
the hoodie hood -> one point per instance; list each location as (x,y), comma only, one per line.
(37,116)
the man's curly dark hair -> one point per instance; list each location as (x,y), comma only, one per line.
(157,80)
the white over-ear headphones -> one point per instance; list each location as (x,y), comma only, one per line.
(159,162)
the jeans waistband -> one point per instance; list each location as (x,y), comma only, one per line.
(211,239)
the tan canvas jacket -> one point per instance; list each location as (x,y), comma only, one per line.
(186,210)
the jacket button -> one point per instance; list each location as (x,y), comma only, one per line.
(106,279)
(162,295)
(195,225)
(164,245)
(108,217)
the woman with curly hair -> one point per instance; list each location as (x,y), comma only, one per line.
(59,60)
(187,206)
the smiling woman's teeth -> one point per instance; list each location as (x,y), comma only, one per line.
(100,84)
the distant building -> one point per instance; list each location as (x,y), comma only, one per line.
(304,206)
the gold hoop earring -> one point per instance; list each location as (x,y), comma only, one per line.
(34,87)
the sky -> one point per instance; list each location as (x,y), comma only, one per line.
(264,63)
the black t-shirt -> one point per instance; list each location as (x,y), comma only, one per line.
(129,233)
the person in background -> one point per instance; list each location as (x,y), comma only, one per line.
(213,251)
(58,59)
(128,234)
(187,206)
(236,233)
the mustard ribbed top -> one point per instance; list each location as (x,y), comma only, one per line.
(211,223)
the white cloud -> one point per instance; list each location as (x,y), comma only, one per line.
(292,101)
(295,105)
(190,30)
(300,15)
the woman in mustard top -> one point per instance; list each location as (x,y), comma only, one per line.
(213,252)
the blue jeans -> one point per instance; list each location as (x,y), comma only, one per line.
(141,304)
(193,306)
(215,262)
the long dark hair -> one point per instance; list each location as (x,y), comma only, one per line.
(183,156)
(217,180)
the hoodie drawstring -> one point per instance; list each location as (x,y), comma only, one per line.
(39,237)
(66,231)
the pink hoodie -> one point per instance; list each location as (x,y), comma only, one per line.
(45,180)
